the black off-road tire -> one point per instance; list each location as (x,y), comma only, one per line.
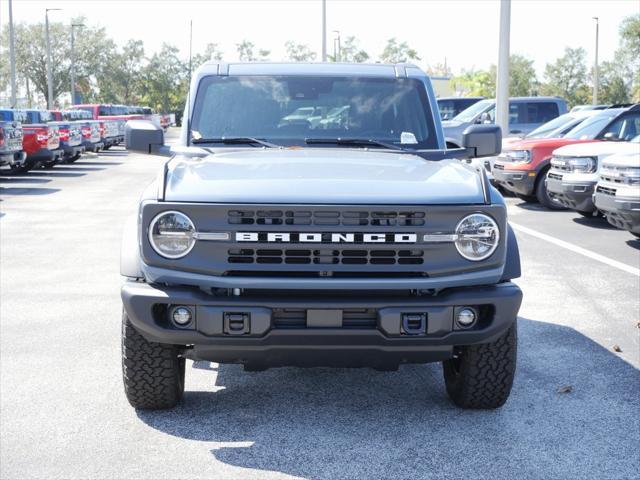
(542,194)
(153,373)
(481,376)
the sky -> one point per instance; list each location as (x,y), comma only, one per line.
(464,32)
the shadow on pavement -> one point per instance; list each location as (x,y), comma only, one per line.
(90,163)
(52,173)
(536,207)
(27,191)
(359,423)
(20,179)
(634,243)
(594,222)
(64,168)
(116,153)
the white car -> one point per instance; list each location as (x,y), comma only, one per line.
(617,192)
(557,127)
(574,172)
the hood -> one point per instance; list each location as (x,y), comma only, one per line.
(544,143)
(597,149)
(451,124)
(623,160)
(320,176)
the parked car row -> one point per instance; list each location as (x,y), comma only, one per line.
(41,138)
(104,111)
(585,160)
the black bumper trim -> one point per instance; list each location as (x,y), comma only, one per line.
(378,347)
(516,181)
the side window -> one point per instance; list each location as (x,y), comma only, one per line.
(517,113)
(542,112)
(625,127)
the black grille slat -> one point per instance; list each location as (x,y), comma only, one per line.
(283,318)
(327,218)
(326,256)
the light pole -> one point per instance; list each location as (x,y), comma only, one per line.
(49,75)
(12,57)
(73,68)
(596,74)
(502,83)
(336,50)
(324,30)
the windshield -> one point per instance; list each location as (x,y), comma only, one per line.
(473,111)
(555,127)
(289,109)
(590,128)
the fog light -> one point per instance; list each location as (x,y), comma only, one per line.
(466,317)
(181,316)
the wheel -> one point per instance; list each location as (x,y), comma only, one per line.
(106,147)
(527,198)
(153,373)
(481,376)
(74,158)
(542,195)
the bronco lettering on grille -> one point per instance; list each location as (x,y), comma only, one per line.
(283,237)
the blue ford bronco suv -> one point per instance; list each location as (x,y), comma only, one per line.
(355,242)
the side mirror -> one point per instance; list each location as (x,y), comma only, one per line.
(611,137)
(145,137)
(482,140)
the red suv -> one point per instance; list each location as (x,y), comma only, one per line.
(522,168)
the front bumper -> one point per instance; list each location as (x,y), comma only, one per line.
(13,158)
(576,196)
(621,212)
(518,181)
(364,330)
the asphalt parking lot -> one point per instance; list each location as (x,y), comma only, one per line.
(574,411)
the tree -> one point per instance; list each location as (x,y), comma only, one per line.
(164,78)
(567,77)
(523,80)
(121,83)
(246,54)
(398,52)
(299,52)
(476,83)
(350,51)
(93,52)
(628,54)
(613,87)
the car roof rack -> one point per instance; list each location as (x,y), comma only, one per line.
(620,105)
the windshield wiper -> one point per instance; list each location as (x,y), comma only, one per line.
(353,141)
(235,141)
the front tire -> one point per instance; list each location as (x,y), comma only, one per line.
(542,194)
(527,198)
(153,373)
(481,376)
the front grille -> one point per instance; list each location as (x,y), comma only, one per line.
(606,190)
(329,256)
(351,318)
(555,176)
(327,218)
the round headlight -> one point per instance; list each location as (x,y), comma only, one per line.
(477,237)
(171,234)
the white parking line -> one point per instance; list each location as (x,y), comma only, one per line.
(582,251)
